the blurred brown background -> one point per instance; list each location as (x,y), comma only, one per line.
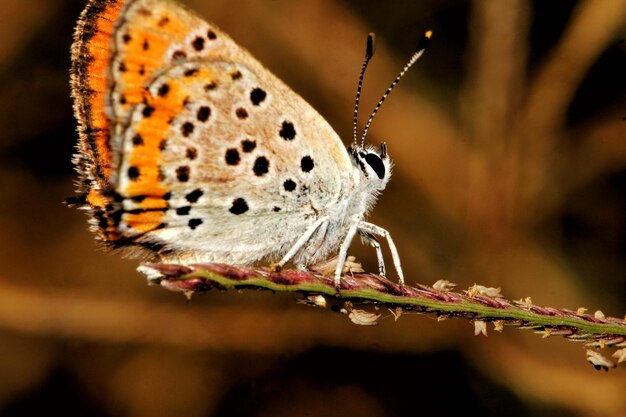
(509,139)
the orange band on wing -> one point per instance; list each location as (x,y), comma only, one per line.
(145,221)
(146,158)
(143,47)
(90,83)
(153,130)
(96,199)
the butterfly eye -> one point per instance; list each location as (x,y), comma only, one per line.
(376,164)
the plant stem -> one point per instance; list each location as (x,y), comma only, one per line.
(363,289)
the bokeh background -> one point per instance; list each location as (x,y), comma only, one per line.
(509,142)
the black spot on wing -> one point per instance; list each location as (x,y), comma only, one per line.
(193,223)
(194,196)
(232,156)
(239,206)
(261,166)
(287,131)
(257,96)
(307,164)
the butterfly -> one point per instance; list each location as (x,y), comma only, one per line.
(191,151)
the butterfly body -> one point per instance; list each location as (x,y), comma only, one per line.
(191,151)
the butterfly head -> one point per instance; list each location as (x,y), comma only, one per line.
(374,165)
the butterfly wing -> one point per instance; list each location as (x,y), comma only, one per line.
(189,146)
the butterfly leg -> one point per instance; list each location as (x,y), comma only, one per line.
(343,252)
(379,231)
(300,242)
(379,253)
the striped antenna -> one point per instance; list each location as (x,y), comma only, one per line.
(419,50)
(369,53)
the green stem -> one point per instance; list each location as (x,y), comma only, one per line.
(362,289)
